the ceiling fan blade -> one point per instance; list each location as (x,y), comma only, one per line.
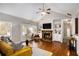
(69,14)
(48,12)
(48,9)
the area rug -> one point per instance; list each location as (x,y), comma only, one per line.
(40,52)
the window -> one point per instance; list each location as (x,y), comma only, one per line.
(28,30)
(5,28)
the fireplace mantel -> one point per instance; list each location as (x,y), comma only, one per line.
(47,30)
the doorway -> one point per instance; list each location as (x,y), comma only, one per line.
(67,30)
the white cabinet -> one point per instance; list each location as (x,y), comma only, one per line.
(57,30)
(57,37)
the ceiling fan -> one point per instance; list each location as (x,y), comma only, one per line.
(43,10)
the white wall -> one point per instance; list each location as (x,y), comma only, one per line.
(49,19)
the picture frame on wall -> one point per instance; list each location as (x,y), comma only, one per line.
(55,31)
(59,32)
(59,25)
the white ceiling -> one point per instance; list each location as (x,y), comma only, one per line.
(28,10)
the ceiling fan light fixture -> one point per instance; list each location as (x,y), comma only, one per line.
(43,13)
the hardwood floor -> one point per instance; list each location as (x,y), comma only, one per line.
(57,48)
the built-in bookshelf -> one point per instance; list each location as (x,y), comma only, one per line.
(57,30)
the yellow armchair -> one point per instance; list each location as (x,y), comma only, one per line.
(8,50)
(27,51)
(5,48)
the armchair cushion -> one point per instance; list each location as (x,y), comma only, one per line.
(27,51)
(9,51)
(6,48)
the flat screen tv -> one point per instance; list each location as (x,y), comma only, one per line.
(47,26)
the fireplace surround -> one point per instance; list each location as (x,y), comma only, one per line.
(47,35)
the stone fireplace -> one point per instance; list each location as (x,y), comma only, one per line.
(47,35)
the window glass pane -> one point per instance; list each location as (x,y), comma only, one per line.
(28,30)
(5,28)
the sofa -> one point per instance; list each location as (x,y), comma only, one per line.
(9,51)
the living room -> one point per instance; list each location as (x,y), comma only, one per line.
(39,29)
